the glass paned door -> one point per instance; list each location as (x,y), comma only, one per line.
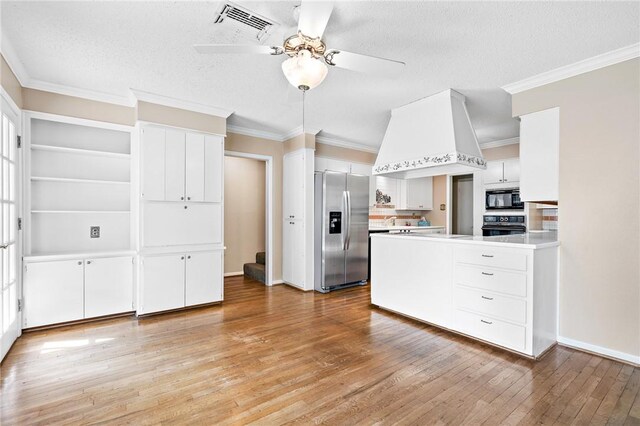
(9,321)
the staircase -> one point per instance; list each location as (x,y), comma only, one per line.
(256,271)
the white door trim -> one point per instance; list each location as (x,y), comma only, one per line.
(268,205)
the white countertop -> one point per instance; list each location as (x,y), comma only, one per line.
(535,240)
(400,227)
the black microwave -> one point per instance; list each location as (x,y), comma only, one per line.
(503,199)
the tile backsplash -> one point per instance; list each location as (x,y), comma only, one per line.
(550,219)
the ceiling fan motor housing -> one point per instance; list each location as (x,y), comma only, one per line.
(297,42)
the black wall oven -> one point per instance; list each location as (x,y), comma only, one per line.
(503,199)
(503,225)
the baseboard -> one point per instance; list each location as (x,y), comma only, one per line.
(274,282)
(599,350)
(233,274)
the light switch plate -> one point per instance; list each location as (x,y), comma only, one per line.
(95,232)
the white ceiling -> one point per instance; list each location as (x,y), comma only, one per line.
(473,47)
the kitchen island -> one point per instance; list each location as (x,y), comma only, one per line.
(500,289)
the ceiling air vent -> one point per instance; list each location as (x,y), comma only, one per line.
(245,23)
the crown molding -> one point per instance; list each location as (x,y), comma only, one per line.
(93,95)
(255,133)
(499,143)
(345,144)
(10,56)
(180,104)
(580,67)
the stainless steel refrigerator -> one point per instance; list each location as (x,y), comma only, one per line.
(341,230)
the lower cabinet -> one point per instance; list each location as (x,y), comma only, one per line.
(173,281)
(293,262)
(69,290)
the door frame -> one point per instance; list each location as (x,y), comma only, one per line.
(478,201)
(268,205)
(16,112)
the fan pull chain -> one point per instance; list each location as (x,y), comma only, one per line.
(303,92)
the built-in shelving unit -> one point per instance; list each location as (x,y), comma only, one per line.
(78,177)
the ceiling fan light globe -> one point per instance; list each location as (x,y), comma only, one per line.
(304,71)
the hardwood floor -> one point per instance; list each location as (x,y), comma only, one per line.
(278,355)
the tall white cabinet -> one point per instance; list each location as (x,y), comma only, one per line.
(181,219)
(297,227)
(79,226)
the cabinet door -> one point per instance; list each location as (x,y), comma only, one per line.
(213,168)
(174,165)
(108,286)
(512,170)
(419,194)
(194,160)
(293,184)
(293,261)
(539,156)
(494,173)
(153,156)
(171,224)
(203,278)
(53,292)
(162,283)
(361,169)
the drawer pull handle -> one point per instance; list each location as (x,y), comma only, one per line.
(487,255)
(486,322)
(487,298)
(486,273)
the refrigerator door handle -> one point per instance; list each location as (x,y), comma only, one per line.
(348,240)
(345,224)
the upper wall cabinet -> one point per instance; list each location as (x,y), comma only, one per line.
(323,164)
(181,166)
(416,194)
(502,172)
(539,155)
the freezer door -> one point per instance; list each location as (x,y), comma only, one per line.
(333,228)
(357,261)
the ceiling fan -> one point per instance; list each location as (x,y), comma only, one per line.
(306,66)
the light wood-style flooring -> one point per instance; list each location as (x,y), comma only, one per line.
(278,355)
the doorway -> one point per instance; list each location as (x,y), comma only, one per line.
(462,204)
(10,328)
(248,216)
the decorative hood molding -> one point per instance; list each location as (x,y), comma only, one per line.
(429,137)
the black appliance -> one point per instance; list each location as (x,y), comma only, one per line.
(503,199)
(503,225)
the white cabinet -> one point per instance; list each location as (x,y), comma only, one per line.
(293,264)
(416,194)
(172,224)
(181,166)
(173,281)
(297,225)
(203,278)
(294,185)
(69,290)
(108,286)
(502,172)
(174,166)
(539,155)
(53,292)
(162,283)
(323,164)
(389,187)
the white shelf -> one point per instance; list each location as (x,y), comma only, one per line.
(71,255)
(81,211)
(73,180)
(79,151)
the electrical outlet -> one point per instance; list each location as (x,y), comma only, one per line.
(95,232)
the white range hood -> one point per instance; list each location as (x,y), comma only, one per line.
(429,137)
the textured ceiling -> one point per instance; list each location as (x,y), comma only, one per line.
(473,47)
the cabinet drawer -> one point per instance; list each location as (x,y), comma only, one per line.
(513,283)
(492,330)
(492,304)
(504,258)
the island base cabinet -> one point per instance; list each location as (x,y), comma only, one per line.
(108,286)
(53,292)
(162,283)
(502,333)
(203,278)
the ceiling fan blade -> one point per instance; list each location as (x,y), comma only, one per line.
(364,63)
(314,16)
(237,48)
